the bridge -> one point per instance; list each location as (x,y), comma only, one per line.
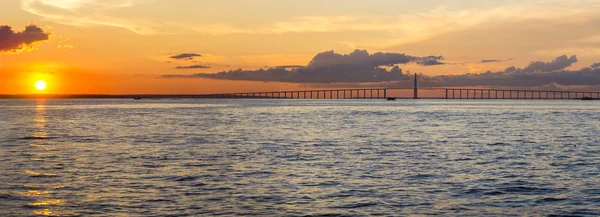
(518,94)
(382,93)
(355,93)
(377,93)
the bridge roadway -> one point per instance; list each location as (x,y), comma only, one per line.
(383,93)
(377,93)
(367,93)
(459,93)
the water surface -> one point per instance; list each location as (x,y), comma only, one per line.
(299,158)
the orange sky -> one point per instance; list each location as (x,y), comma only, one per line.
(123,46)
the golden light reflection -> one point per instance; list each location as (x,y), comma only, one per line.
(48,203)
(45,147)
(33,173)
(45,212)
(29,172)
(40,118)
(43,186)
(34,193)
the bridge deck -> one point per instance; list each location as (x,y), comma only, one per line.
(379,93)
(458,93)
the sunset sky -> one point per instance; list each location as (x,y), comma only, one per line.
(177,46)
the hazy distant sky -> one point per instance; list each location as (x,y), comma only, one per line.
(126,46)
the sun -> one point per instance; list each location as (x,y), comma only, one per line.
(40,85)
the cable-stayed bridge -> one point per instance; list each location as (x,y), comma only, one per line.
(383,93)
(378,93)
(362,93)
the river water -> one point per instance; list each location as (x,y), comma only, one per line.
(299,158)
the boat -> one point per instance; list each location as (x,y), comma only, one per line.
(391,99)
(588,98)
(137,98)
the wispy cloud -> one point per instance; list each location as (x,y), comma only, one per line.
(88,13)
(193,67)
(406,27)
(188,56)
(495,61)
(415,26)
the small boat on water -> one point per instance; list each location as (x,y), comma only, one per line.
(137,98)
(588,98)
(391,99)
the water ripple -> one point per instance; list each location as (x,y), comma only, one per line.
(299,158)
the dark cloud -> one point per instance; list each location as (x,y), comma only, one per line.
(188,56)
(512,77)
(510,69)
(495,61)
(287,66)
(330,59)
(330,67)
(491,61)
(305,75)
(558,63)
(430,61)
(193,67)
(535,74)
(13,41)
(586,76)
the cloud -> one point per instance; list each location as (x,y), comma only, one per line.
(89,13)
(586,76)
(490,61)
(510,69)
(304,75)
(420,24)
(496,61)
(188,56)
(193,67)
(364,59)
(288,66)
(430,61)
(537,73)
(330,67)
(511,77)
(558,63)
(15,41)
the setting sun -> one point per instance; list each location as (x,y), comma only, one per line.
(40,85)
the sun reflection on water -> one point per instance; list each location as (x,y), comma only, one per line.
(45,212)
(44,151)
(34,193)
(262,160)
(40,116)
(47,203)
(33,173)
